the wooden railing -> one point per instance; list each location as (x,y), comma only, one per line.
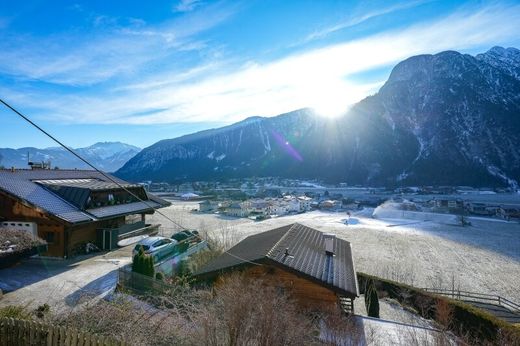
(25,332)
(477,297)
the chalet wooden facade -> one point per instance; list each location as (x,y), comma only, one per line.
(314,268)
(69,208)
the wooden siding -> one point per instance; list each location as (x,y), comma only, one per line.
(307,293)
(13,210)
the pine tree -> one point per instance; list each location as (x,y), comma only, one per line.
(371,299)
(150,269)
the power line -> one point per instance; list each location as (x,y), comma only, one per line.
(106,175)
(88,163)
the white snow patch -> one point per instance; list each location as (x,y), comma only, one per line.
(220,157)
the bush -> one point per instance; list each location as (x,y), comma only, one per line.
(11,311)
(247,312)
(13,241)
(143,264)
(462,319)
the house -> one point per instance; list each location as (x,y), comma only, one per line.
(509,211)
(69,208)
(314,268)
(328,204)
(485,209)
(257,206)
(448,204)
(237,210)
(206,206)
(278,207)
(189,196)
(305,203)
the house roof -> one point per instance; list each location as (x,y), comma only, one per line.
(61,193)
(307,257)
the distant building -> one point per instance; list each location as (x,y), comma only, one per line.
(190,196)
(68,208)
(314,268)
(305,203)
(448,204)
(207,206)
(237,210)
(509,211)
(328,204)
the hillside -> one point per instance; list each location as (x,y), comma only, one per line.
(447,119)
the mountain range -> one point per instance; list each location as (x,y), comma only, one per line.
(108,156)
(442,119)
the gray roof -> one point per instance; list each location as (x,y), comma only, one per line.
(307,257)
(41,189)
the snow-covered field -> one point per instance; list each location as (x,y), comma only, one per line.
(483,257)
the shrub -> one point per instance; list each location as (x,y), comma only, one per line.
(247,312)
(143,264)
(371,299)
(15,241)
(19,312)
(466,321)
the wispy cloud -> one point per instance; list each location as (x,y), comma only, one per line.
(187,5)
(316,78)
(359,18)
(113,51)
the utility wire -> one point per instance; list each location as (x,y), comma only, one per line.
(88,163)
(108,176)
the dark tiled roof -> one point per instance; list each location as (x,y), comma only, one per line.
(307,257)
(22,184)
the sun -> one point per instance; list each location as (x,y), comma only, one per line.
(332,99)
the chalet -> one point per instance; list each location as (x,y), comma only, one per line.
(69,208)
(448,204)
(485,209)
(305,203)
(237,210)
(509,211)
(207,206)
(315,268)
(328,204)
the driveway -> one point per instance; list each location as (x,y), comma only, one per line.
(63,284)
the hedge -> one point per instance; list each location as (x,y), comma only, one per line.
(467,321)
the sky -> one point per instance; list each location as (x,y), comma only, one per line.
(138,72)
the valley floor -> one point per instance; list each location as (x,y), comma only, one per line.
(483,257)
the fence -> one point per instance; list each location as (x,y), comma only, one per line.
(139,283)
(477,297)
(23,332)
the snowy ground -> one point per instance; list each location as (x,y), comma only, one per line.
(483,257)
(63,284)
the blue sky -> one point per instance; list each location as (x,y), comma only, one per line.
(139,72)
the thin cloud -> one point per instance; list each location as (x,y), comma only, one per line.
(316,78)
(358,19)
(187,5)
(123,51)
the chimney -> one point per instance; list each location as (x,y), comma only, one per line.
(329,243)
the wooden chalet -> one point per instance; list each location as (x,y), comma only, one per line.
(315,268)
(69,208)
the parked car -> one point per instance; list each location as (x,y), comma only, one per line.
(186,234)
(158,247)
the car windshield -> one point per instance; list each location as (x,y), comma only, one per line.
(180,236)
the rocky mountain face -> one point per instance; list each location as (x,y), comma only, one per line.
(108,156)
(443,119)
